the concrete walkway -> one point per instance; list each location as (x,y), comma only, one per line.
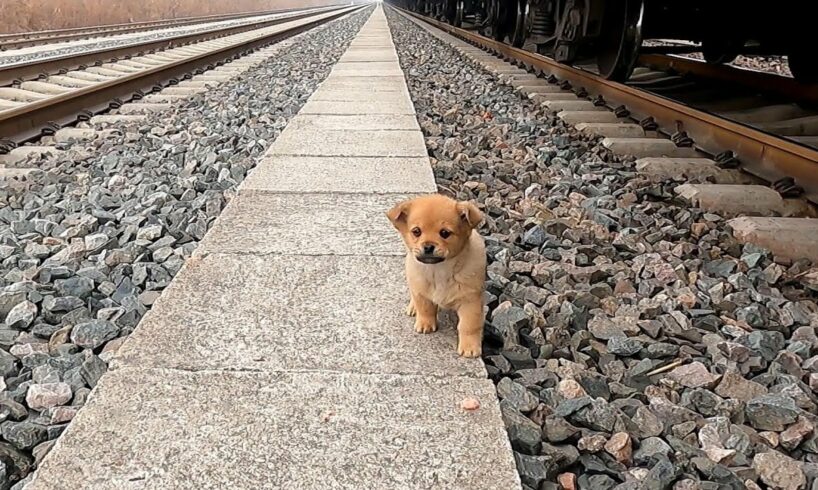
(280,356)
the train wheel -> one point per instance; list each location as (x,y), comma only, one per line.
(803,65)
(495,27)
(620,39)
(518,33)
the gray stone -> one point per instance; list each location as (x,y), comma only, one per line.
(516,395)
(771,412)
(24,435)
(21,315)
(94,333)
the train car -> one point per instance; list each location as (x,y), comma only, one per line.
(611,33)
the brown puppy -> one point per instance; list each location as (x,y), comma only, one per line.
(445,264)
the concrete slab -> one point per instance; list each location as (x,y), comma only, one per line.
(612,130)
(110,119)
(648,147)
(20,95)
(306,224)
(26,153)
(186,91)
(368,69)
(793,238)
(544,88)
(368,104)
(44,87)
(75,134)
(392,97)
(379,84)
(14,173)
(363,122)
(558,96)
(285,313)
(695,170)
(752,200)
(353,143)
(281,430)
(349,175)
(368,55)
(576,117)
(146,108)
(572,105)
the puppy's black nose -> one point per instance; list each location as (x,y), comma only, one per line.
(428,249)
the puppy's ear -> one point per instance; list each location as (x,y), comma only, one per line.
(399,214)
(469,214)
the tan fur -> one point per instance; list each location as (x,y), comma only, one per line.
(458,280)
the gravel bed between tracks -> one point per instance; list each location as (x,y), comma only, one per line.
(88,245)
(634,343)
(35,52)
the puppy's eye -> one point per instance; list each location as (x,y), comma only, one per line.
(445,233)
(416,231)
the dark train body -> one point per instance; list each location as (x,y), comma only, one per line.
(613,31)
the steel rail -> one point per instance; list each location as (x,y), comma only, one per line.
(767,83)
(762,154)
(36,38)
(27,122)
(40,68)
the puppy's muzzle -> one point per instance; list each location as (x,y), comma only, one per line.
(427,255)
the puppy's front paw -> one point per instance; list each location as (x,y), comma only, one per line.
(410,308)
(469,347)
(423,325)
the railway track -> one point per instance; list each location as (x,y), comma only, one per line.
(758,122)
(38,38)
(73,91)
(16,73)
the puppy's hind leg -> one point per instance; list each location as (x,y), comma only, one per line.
(426,319)
(470,328)
(410,308)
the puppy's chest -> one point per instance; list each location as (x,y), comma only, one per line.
(440,286)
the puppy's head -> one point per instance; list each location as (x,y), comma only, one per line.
(434,227)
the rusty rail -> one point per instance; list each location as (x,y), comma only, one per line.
(27,122)
(39,68)
(761,154)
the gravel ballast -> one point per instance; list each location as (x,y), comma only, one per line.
(88,244)
(634,343)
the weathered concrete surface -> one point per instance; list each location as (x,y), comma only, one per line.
(352,143)
(794,238)
(576,117)
(374,175)
(612,130)
(380,84)
(306,224)
(285,313)
(736,199)
(368,55)
(648,147)
(26,153)
(396,96)
(369,69)
(169,429)
(360,103)
(364,122)
(694,169)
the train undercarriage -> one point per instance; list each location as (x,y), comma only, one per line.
(610,34)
